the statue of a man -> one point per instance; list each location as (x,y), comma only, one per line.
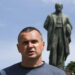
(59,31)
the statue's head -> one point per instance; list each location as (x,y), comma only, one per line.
(58,7)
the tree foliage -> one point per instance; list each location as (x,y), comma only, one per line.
(71,67)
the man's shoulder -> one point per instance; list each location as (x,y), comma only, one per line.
(12,66)
(50,14)
(64,15)
(54,69)
(54,14)
(9,69)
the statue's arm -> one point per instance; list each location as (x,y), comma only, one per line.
(68,29)
(68,22)
(46,24)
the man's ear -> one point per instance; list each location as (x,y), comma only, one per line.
(18,47)
(43,45)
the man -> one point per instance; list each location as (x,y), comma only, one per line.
(30,45)
(59,30)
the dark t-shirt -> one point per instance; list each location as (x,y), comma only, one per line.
(44,69)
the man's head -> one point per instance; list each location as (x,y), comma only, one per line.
(29,29)
(30,43)
(58,7)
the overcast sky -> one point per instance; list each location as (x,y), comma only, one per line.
(17,14)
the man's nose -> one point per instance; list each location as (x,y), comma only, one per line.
(30,44)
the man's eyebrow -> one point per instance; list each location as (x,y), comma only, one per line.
(34,41)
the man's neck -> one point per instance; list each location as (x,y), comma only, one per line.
(58,13)
(31,63)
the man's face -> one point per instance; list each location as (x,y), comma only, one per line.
(59,8)
(30,44)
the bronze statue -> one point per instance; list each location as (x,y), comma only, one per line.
(59,31)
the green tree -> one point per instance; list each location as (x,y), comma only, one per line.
(71,67)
